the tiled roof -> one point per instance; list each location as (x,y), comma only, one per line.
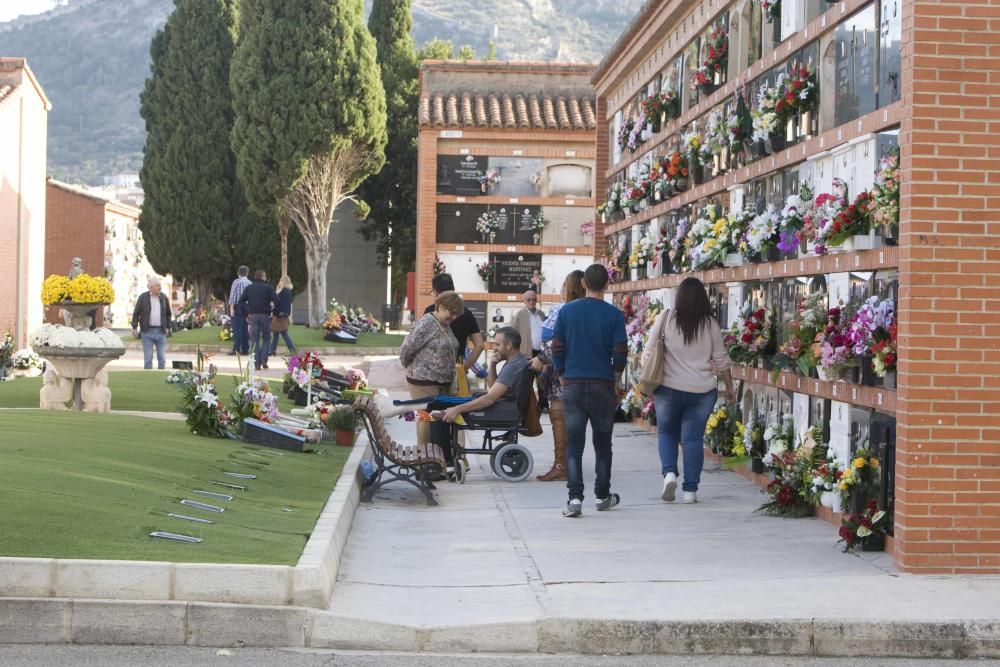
(505,110)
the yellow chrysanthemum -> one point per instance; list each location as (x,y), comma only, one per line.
(55,289)
(859,463)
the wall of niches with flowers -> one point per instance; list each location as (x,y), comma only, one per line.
(798,257)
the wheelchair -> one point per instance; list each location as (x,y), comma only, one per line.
(500,425)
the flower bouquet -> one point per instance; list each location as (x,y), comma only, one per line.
(204,413)
(537,279)
(488,225)
(438,266)
(253,400)
(765,121)
(488,178)
(642,254)
(6,353)
(792,220)
(24,362)
(537,225)
(486,271)
(624,133)
(885,197)
(791,491)
(706,246)
(750,337)
(836,349)
(866,529)
(799,347)
(722,429)
(760,242)
(798,92)
(713,68)
(851,222)
(873,332)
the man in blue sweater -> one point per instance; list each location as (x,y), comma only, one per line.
(588,349)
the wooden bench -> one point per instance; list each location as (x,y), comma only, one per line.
(415,464)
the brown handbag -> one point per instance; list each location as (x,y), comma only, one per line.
(532,422)
(279,323)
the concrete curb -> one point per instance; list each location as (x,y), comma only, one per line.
(57,621)
(334,350)
(308,584)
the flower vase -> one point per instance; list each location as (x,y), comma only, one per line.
(640,272)
(482,236)
(873,543)
(776,31)
(777,141)
(344,437)
(698,173)
(862,242)
(733,259)
(706,89)
(537,238)
(889,380)
(890,234)
(682,184)
(836,503)
(482,188)
(493,237)
(666,266)
(298,395)
(772,254)
(757,465)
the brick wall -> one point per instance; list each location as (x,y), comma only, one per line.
(74,227)
(948,456)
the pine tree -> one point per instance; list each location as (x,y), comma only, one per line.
(392,193)
(188,170)
(310,117)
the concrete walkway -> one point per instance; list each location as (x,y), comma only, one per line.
(497,553)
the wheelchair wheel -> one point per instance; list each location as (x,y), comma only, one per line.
(512,462)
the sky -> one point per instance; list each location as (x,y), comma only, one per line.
(10,9)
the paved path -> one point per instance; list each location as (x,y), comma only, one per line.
(498,552)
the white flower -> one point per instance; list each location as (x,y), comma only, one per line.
(207,395)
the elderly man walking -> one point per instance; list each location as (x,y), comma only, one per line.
(528,323)
(151,322)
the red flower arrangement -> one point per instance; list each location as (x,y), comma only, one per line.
(796,92)
(853,219)
(858,529)
(749,337)
(717,48)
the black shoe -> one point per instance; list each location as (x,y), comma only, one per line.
(256,367)
(265,366)
(231,353)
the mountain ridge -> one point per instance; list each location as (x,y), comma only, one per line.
(92,58)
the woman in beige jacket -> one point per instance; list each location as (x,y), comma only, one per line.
(695,358)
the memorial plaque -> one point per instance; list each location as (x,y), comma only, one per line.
(890,58)
(519,177)
(513,272)
(478,309)
(856,56)
(459,174)
(456,223)
(523,215)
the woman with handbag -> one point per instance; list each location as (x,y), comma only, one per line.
(685,362)
(282,315)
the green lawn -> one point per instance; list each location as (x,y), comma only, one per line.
(130,390)
(94,486)
(303,337)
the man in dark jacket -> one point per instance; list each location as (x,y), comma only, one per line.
(151,319)
(258,302)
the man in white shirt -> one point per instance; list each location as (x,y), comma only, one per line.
(151,323)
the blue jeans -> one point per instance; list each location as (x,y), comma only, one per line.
(260,338)
(149,339)
(680,418)
(596,402)
(288,341)
(241,337)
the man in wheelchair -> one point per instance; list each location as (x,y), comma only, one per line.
(504,387)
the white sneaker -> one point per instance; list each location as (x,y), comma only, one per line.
(690,497)
(669,487)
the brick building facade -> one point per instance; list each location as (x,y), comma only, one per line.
(105,234)
(23,137)
(915,75)
(529,130)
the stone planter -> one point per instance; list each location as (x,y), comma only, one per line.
(77,315)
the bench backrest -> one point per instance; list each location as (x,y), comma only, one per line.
(376,425)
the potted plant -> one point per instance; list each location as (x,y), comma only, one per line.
(343,421)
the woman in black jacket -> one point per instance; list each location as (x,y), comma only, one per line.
(282,313)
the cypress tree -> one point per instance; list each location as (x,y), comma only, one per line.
(392,193)
(188,170)
(310,117)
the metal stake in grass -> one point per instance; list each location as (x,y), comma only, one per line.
(202,506)
(240,475)
(175,536)
(235,487)
(220,496)
(185,517)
